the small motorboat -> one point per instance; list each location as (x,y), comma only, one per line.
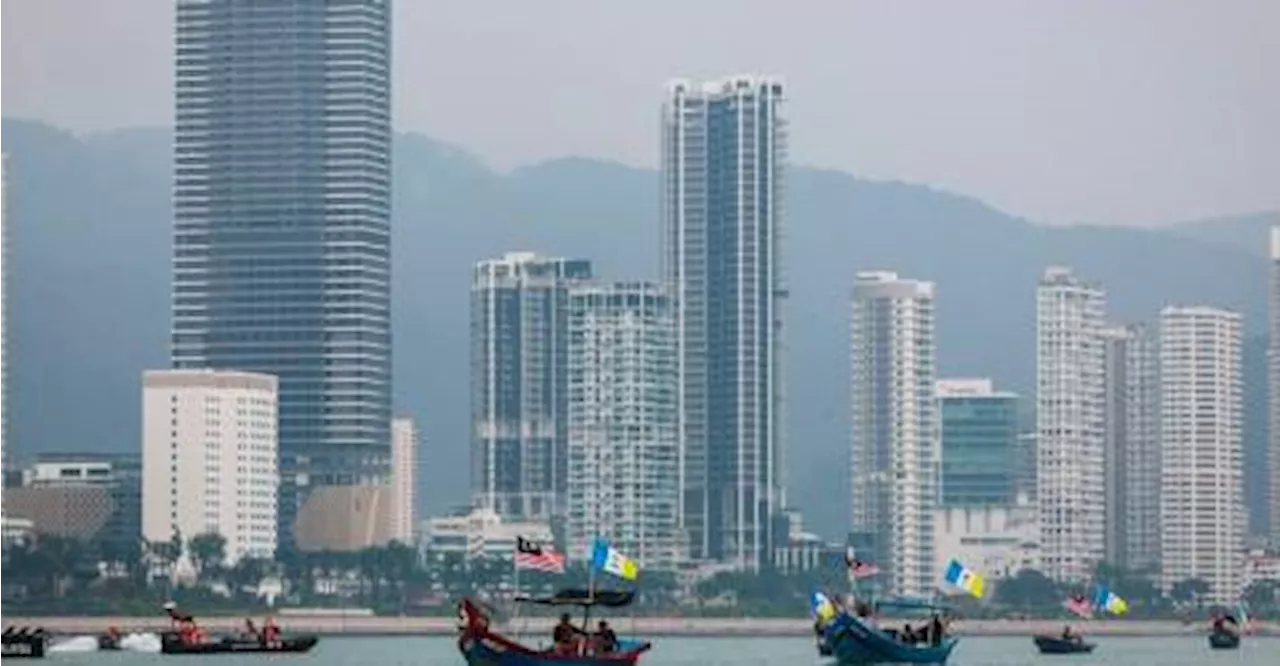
(1060,645)
(482,646)
(24,643)
(1224,640)
(172,643)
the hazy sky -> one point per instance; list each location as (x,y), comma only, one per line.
(1107,111)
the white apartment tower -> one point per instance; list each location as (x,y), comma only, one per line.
(896,445)
(1132,452)
(624,449)
(5,442)
(404,479)
(1202,470)
(1273,380)
(209,455)
(1070,424)
(723,160)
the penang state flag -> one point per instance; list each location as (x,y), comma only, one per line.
(606,558)
(821,607)
(1110,601)
(964,578)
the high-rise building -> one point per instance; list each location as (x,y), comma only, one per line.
(979,444)
(519,383)
(723,156)
(4,310)
(209,455)
(282,210)
(1132,448)
(1070,424)
(895,452)
(624,452)
(404,479)
(1273,377)
(1202,515)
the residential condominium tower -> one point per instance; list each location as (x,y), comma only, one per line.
(1273,376)
(282,221)
(896,447)
(1132,450)
(624,453)
(1070,424)
(519,383)
(209,459)
(404,479)
(723,155)
(1202,516)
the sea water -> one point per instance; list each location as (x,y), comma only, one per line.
(748,651)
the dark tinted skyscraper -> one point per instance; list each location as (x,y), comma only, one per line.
(282,221)
(723,154)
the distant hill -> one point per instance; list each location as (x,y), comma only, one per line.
(90,242)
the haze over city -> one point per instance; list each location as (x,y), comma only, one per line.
(1139,113)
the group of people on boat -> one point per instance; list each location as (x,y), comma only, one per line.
(568,639)
(931,633)
(190,633)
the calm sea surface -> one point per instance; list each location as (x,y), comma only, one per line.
(972,651)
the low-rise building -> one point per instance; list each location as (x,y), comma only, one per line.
(478,533)
(997,542)
(93,497)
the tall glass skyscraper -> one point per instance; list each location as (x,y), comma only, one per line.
(282,214)
(723,152)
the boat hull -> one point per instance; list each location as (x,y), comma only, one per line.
(1059,645)
(481,646)
(170,644)
(851,640)
(1224,641)
(24,645)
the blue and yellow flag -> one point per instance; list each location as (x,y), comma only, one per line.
(606,558)
(1110,601)
(965,578)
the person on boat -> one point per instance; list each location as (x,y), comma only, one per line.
(184,624)
(270,632)
(1068,635)
(251,629)
(606,642)
(936,630)
(908,634)
(565,636)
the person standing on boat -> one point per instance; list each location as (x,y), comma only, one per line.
(271,632)
(606,640)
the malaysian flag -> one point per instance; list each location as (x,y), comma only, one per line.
(858,568)
(533,555)
(1077,604)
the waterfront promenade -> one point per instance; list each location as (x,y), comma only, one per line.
(364,625)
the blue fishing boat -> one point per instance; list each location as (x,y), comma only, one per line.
(480,645)
(851,639)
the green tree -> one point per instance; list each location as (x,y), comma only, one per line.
(1027,590)
(1262,595)
(1189,592)
(208,551)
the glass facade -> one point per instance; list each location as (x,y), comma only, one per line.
(979,441)
(724,149)
(282,158)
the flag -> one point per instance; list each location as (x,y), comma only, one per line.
(1111,602)
(606,558)
(1077,604)
(965,579)
(821,607)
(532,555)
(858,568)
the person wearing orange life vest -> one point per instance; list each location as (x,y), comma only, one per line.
(270,632)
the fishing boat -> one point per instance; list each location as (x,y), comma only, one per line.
(852,639)
(24,643)
(171,643)
(481,645)
(1060,645)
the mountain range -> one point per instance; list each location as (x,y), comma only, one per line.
(88,260)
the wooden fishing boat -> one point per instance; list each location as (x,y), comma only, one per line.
(171,643)
(855,640)
(480,645)
(1059,645)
